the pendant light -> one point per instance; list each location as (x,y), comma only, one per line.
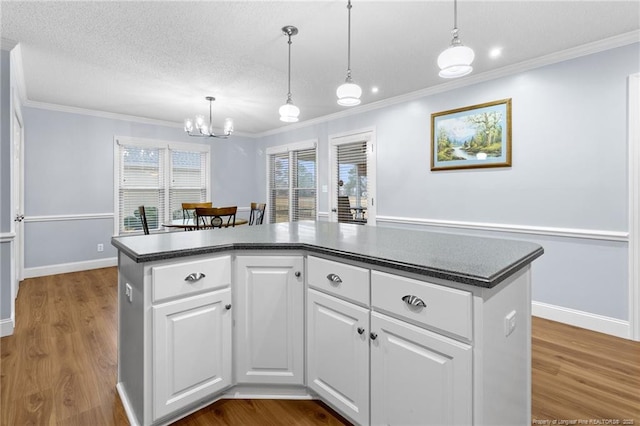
(349,93)
(456,60)
(289,112)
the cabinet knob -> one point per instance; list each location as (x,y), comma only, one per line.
(414,301)
(360,330)
(227,306)
(334,278)
(297,274)
(195,276)
(373,336)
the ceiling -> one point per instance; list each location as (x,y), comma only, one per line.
(158,60)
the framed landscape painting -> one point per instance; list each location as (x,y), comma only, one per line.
(472,137)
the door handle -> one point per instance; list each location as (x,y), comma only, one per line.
(360,330)
(19,218)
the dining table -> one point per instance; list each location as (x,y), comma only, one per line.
(189,224)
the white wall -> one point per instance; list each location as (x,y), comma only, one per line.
(567,188)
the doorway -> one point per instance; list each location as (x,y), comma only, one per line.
(353,177)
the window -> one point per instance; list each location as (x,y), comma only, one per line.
(292,182)
(160,176)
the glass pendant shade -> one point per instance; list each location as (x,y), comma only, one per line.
(228,126)
(289,112)
(349,94)
(455,61)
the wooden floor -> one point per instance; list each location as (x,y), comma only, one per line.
(59,367)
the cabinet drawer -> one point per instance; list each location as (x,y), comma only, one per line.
(446,308)
(345,281)
(189,277)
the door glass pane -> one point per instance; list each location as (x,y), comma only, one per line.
(352,183)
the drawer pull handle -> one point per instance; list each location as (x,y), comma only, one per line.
(195,276)
(414,301)
(373,336)
(360,330)
(334,278)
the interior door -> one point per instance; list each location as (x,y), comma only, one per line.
(352,180)
(17,192)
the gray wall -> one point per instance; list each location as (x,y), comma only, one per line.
(5,185)
(69,171)
(569,171)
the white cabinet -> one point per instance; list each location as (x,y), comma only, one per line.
(338,354)
(418,377)
(192,334)
(269,319)
(192,350)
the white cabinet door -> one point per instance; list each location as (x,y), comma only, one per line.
(418,377)
(191,350)
(338,354)
(270,319)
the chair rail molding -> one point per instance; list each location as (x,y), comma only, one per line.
(591,234)
(67,217)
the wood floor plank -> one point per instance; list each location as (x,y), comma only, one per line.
(60,367)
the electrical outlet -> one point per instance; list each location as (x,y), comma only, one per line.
(128,291)
(509,323)
(100,247)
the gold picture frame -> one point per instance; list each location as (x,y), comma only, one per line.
(472,137)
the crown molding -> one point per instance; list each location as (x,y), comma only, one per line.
(553,58)
(7,44)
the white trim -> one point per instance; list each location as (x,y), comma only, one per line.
(126,403)
(7,237)
(296,146)
(63,268)
(634,205)
(17,75)
(564,55)
(6,327)
(67,217)
(591,234)
(599,323)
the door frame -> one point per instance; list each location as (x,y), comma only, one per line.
(362,135)
(634,205)
(17,197)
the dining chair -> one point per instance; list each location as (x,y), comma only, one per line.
(143,219)
(188,209)
(257,213)
(215,217)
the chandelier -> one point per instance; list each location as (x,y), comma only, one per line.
(205,130)
(349,93)
(455,61)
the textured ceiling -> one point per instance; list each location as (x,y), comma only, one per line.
(159,60)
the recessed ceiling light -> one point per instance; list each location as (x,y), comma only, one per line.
(374,89)
(496,52)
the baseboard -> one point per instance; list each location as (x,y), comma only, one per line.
(594,322)
(63,268)
(126,404)
(6,327)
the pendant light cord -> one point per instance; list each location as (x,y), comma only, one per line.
(349,42)
(289,85)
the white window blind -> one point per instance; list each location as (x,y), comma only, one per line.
(279,188)
(352,180)
(303,174)
(160,178)
(292,185)
(188,180)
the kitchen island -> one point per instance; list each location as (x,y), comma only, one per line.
(387,326)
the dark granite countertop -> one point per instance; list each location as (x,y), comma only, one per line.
(478,261)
